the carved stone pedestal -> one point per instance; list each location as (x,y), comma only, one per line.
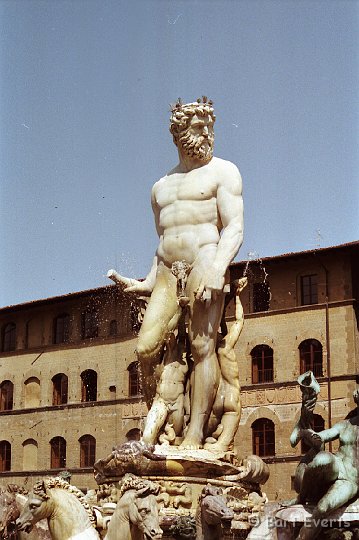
(201,495)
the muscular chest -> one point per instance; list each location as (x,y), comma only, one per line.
(195,186)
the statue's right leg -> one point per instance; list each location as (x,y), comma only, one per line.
(159,320)
(319,474)
(337,495)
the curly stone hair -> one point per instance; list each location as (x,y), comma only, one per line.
(131,481)
(182,114)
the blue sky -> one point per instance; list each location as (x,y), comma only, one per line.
(85,89)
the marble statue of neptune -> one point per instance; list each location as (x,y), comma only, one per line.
(198,213)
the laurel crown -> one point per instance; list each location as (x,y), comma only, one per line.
(179,103)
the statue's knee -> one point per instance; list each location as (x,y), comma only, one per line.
(324,459)
(150,341)
(325,466)
(146,347)
(201,346)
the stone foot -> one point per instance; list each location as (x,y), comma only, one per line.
(191,443)
(216,447)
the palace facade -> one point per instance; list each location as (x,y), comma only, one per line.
(69,382)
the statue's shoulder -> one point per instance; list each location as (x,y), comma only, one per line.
(225,167)
(157,185)
(165,177)
(223,164)
(227,173)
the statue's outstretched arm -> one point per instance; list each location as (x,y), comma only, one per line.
(332,433)
(316,439)
(144,288)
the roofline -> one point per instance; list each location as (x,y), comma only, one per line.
(60,297)
(298,253)
(108,288)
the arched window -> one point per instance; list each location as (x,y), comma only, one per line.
(263,437)
(262,364)
(32,392)
(6,396)
(9,337)
(113,328)
(58,453)
(61,328)
(311,357)
(5,456)
(317,425)
(33,333)
(133,435)
(90,324)
(59,389)
(134,387)
(29,461)
(87,450)
(89,385)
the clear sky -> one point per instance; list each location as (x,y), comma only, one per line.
(85,89)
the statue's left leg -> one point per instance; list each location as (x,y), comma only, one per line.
(319,474)
(229,423)
(337,495)
(203,328)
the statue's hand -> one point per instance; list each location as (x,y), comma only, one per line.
(131,285)
(240,284)
(312,438)
(211,284)
(308,405)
